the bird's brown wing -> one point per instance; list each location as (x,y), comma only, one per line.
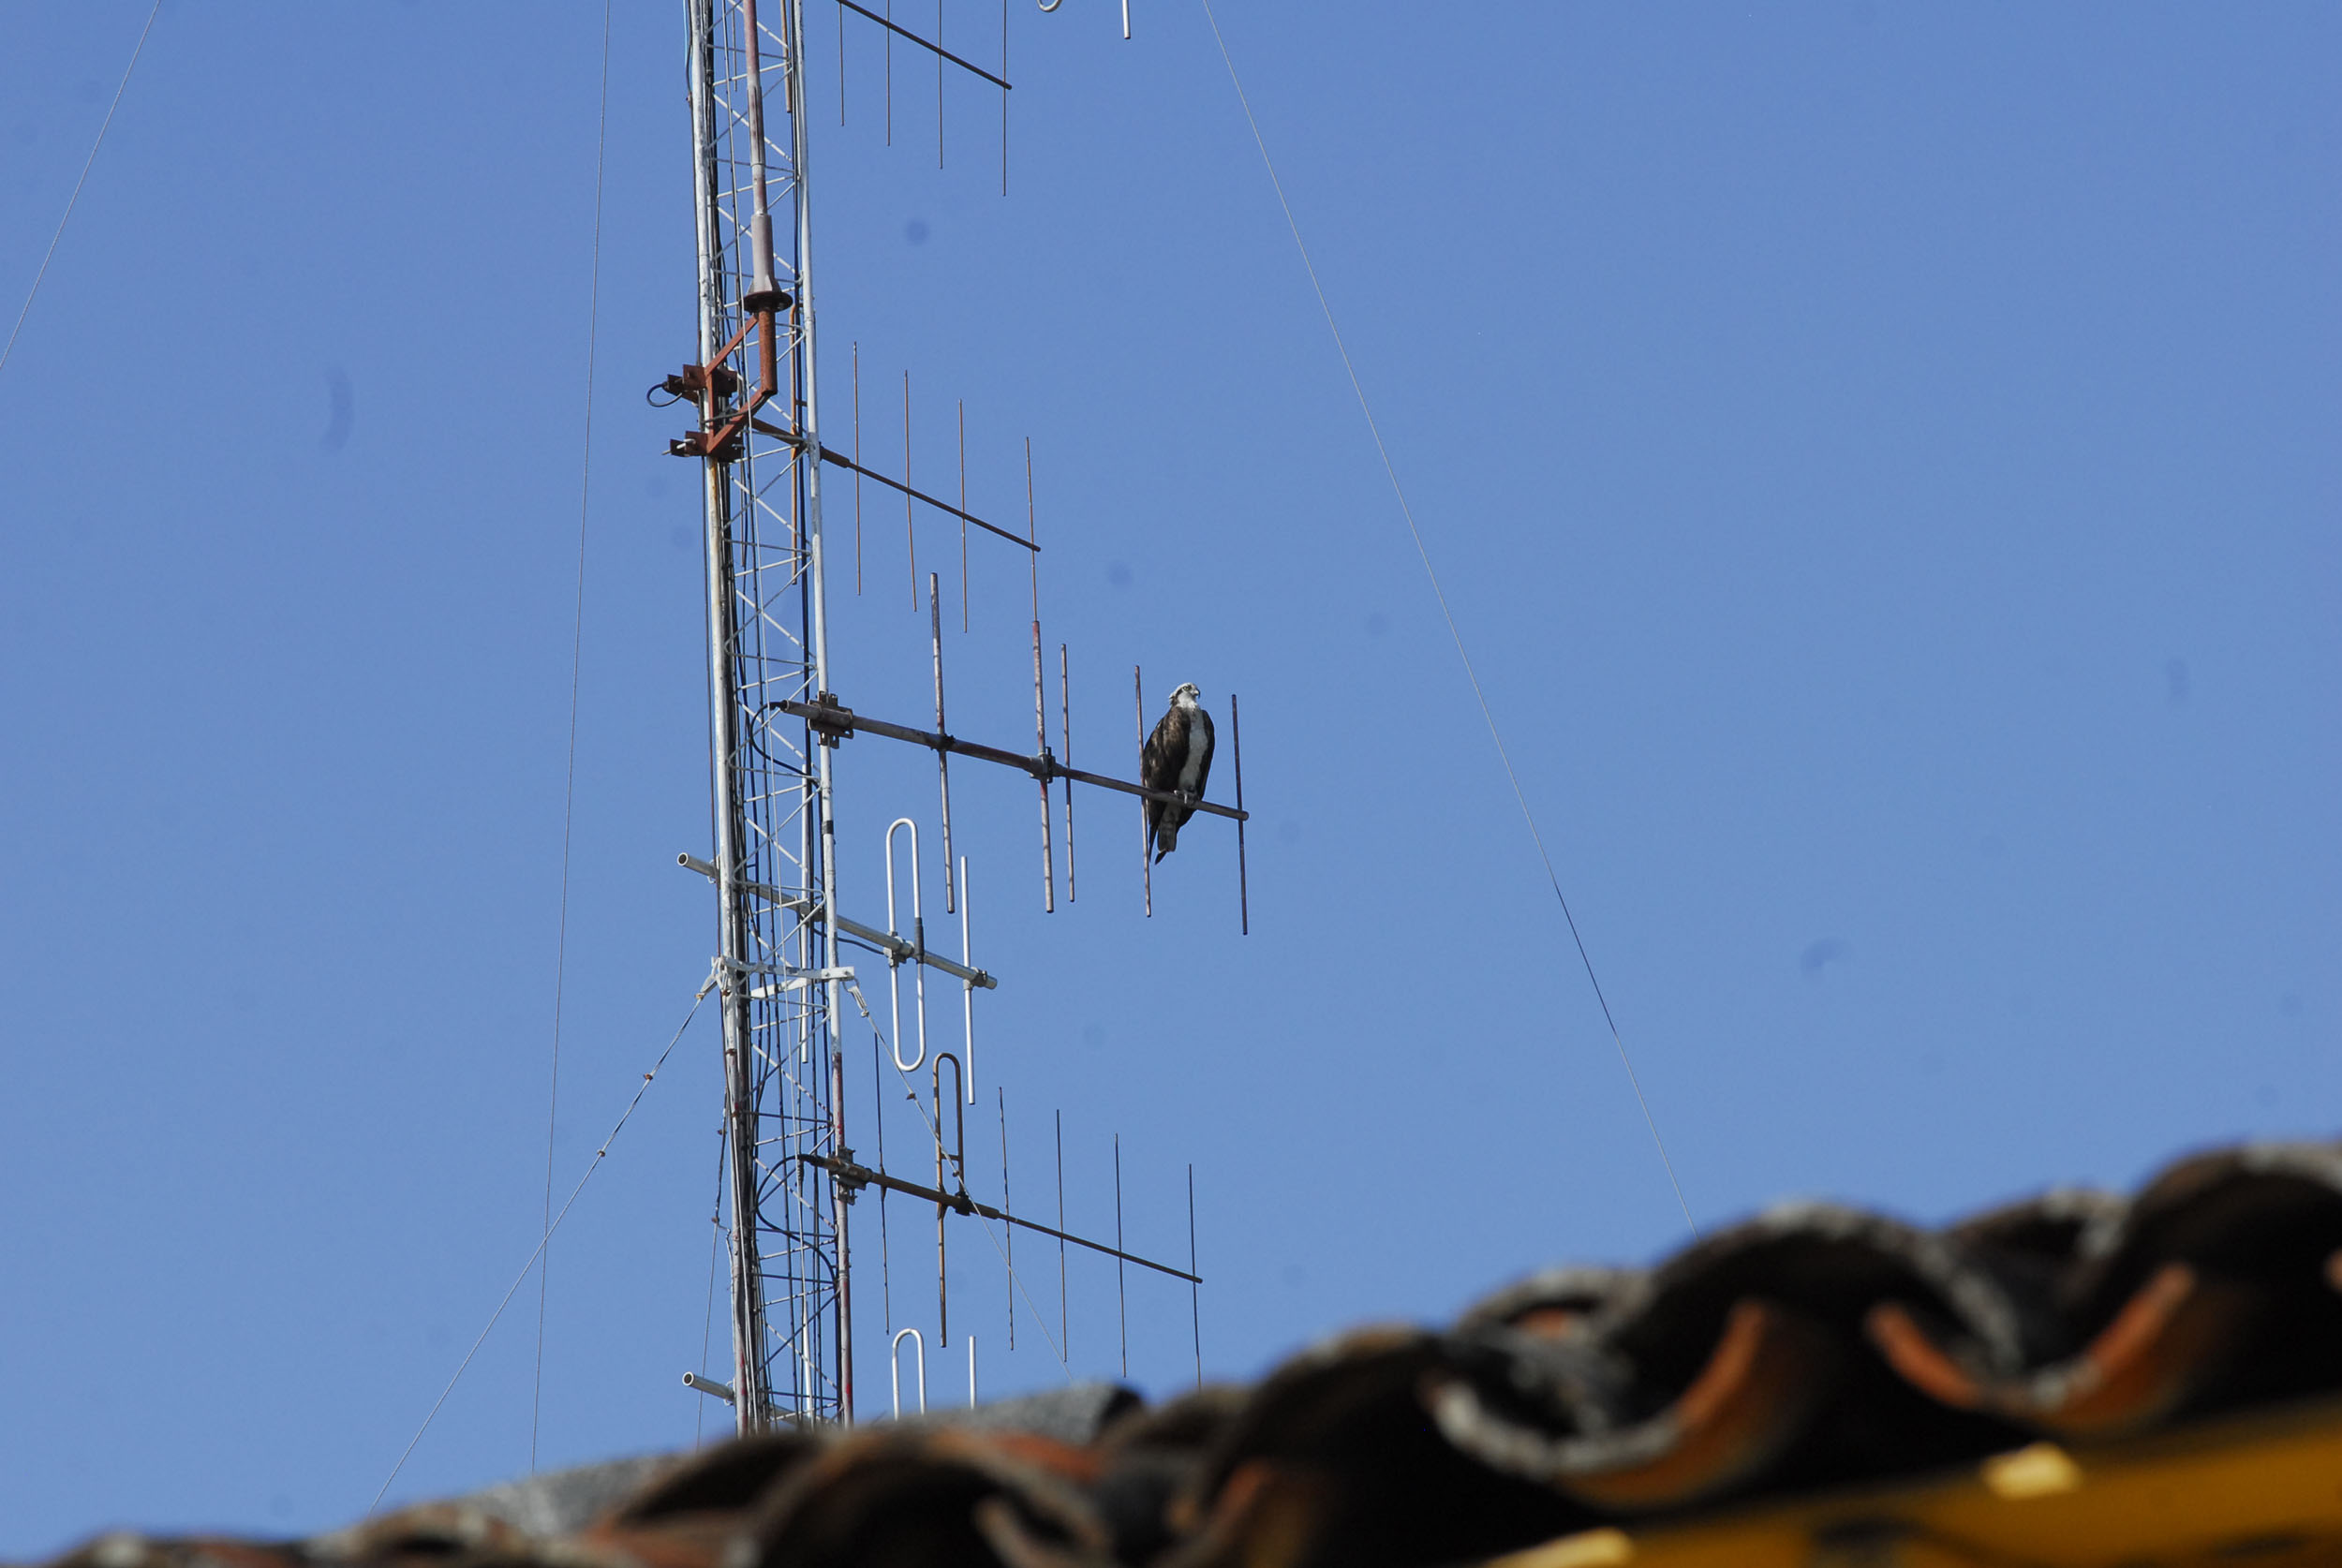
(1158,768)
(1199,740)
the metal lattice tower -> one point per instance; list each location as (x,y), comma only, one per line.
(774,719)
(774,839)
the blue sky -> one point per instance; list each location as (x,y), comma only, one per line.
(1881,460)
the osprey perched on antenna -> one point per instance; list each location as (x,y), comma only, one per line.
(1177,757)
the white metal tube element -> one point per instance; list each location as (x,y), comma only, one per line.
(708,1386)
(971,1371)
(918,943)
(966,988)
(894,1368)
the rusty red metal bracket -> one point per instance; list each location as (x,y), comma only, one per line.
(715,379)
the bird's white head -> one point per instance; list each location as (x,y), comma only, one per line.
(1186,695)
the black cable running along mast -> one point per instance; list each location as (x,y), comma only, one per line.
(785,957)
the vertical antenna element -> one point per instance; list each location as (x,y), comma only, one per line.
(1065,714)
(957,1165)
(1126,20)
(889,33)
(1040,697)
(963,517)
(878,1114)
(1003,109)
(1235,744)
(1121,1299)
(1145,838)
(942,759)
(1065,1324)
(1010,1208)
(967,996)
(910,540)
(1195,1290)
(857,441)
(938,83)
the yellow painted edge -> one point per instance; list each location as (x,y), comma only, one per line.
(1588,1549)
(2040,1470)
(2185,1492)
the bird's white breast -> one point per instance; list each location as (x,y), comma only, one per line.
(1193,762)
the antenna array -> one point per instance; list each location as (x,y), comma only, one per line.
(775,836)
(791,1179)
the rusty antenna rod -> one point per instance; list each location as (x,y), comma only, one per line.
(1040,700)
(1122,1295)
(1195,1293)
(1009,1233)
(1243,895)
(1146,843)
(942,759)
(1065,1323)
(958,1165)
(910,540)
(963,517)
(1004,117)
(857,453)
(1065,710)
(886,1276)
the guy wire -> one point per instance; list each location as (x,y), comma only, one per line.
(568,783)
(715,1250)
(1407,511)
(514,1289)
(138,49)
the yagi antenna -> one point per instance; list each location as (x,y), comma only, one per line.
(792,965)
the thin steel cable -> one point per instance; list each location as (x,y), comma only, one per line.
(569,784)
(137,50)
(1407,511)
(519,1278)
(715,1250)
